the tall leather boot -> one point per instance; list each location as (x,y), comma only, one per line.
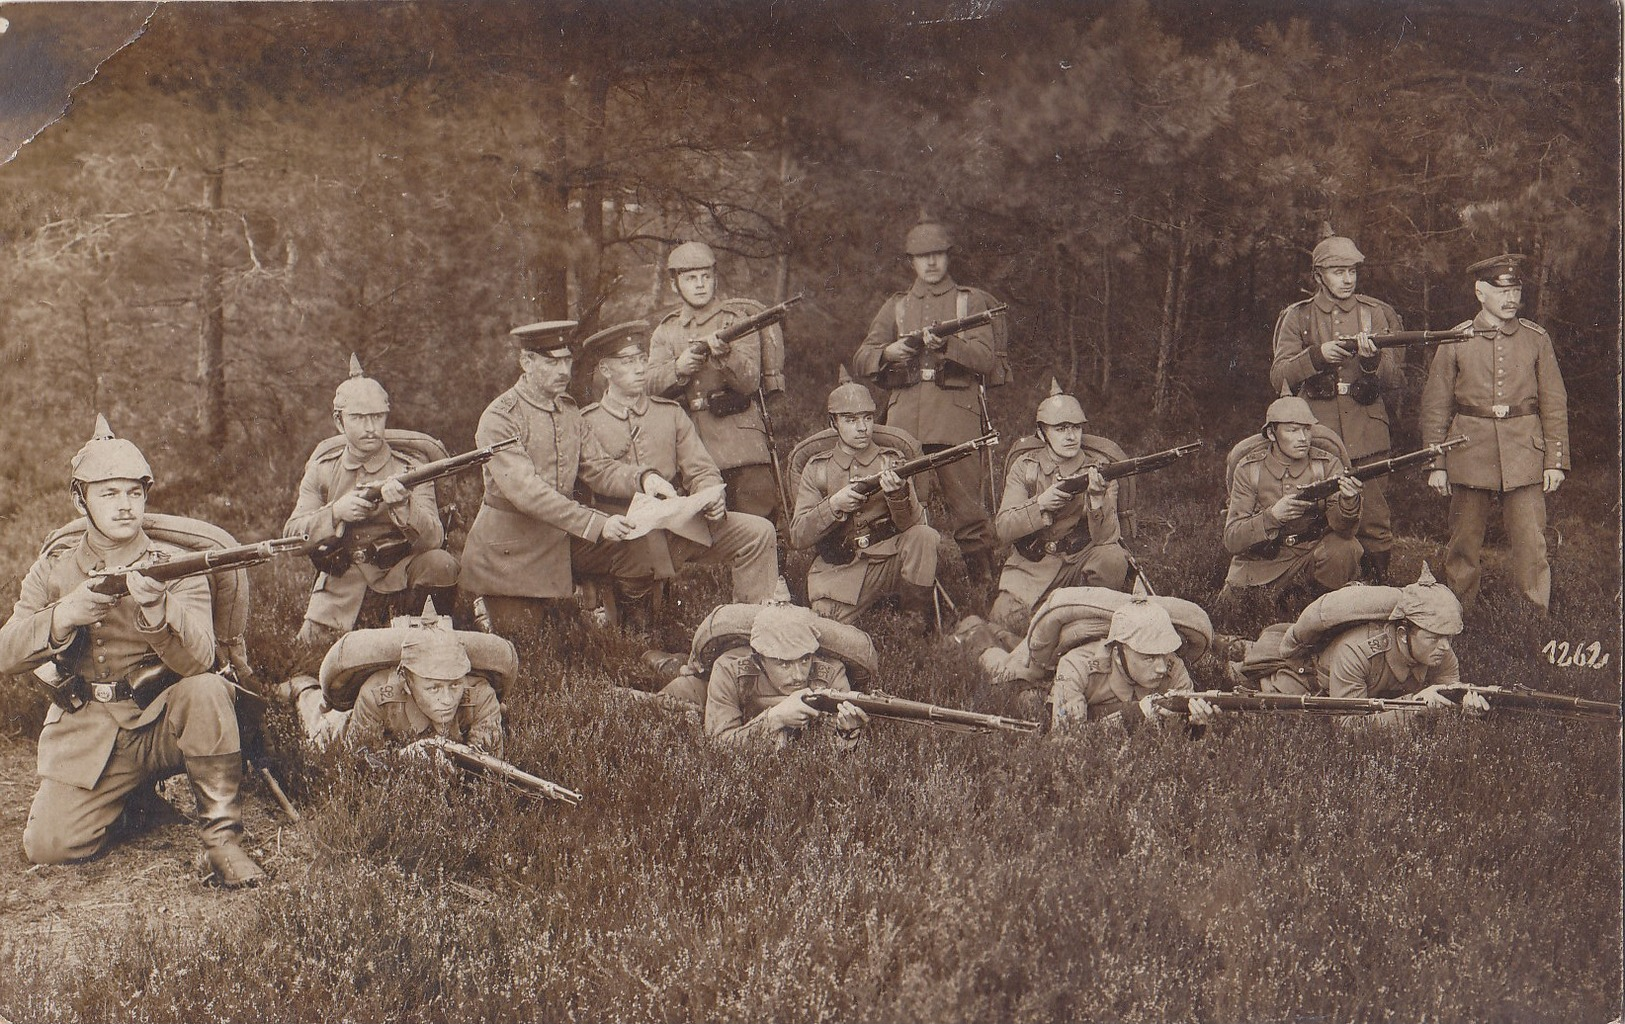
(216,782)
(1379,566)
(979,571)
(915,602)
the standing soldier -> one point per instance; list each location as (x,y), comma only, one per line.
(1503,391)
(935,392)
(330,501)
(904,563)
(517,556)
(1087,550)
(95,757)
(719,385)
(1278,540)
(638,429)
(1344,382)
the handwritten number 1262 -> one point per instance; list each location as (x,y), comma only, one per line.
(1582,656)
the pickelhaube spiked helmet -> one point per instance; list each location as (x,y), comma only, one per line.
(105,457)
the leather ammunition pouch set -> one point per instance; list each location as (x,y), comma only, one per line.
(942,373)
(721,402)
(1037,546)
(1325,386)
(843,543)
(1309,529)
(143,685)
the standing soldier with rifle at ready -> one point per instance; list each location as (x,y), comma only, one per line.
(935,382)
(723,385)
(331,503)
(1504,392)
(1325,355)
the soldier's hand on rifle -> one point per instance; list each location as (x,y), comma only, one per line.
(393,492)
(423,750)
(717,347)
(689,363)
(657,486)
(1350,486)
(81,606)
(1474,703)
(1153,711)
(791,712)
(898,352)
(1290,507)
(890,482)
(353,508)
(616,528)
(1054,499)
(1365,348)
(1336,352)
(932,342)
(850,720)
(847,500)
(1439,480)
(1552,480)
(1201,712)
(144,590)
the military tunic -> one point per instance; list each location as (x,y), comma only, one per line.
(739,692)
(1103,563)
(1090,684)
(655,432)
(943,406)
(1505,394)
(519,545)
(842,592)
(91,759)
(335,601)
(1364,660)
(1261,478)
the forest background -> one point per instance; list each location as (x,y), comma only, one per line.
(248,193)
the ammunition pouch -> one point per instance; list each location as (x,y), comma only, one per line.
(1320,388)
(1365,391)
(843,543)
(897,376)
(146,681)
(385,549)
(723,402)
(1036,546)
(1310,529)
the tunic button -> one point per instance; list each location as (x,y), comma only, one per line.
(101,657)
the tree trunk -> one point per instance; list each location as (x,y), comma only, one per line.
(1105,378)
(212,343)
(1162,382)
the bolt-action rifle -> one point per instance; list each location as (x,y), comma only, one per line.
(1522,698)
(480,763)
(749,325)
(881,705)
(382,543)
(872,523)
(1246,701)
(1069,536)
(1400,339)
(907,373)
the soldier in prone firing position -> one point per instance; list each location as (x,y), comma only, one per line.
(754,695)
(638,429)
(1137,660)
(718,386)
(330,502)
(1279,541)
(904,563)
(94,758)
(1034,503)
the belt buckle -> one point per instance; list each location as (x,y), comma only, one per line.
(1343,387)
(104,693)
(1051,546)
(861,540)
(928,373)
(698,404)
(1500,411)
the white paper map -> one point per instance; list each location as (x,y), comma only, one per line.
(684,516)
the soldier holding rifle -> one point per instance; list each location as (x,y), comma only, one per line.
(331,502)
(755,692)
(1119,675)
(96,754)
(722,385)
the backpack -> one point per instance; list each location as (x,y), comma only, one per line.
(1072,616)
(824,440)
(1321,438)
(1293,645)
(355,656)
(728,627)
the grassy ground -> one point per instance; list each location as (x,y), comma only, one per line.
(1278,870)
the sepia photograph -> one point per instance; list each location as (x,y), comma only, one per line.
(811,510)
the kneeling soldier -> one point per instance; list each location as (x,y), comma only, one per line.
(329,503)
(95,757)
(755,692)
(1085,549)
(1118,675)
(904,563)
(1279,540)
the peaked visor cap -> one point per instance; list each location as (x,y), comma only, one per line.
(1502,271)
(550,337)
(611,340)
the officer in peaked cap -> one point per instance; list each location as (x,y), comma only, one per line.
(935,393)
(1136,660)
(1347,383)
(634,427)
(754,694)
(720,384)
(1503,390)
(517,557)
(330,504)
(101,746)
(1081,534)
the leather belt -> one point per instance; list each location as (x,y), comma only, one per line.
(1294,539)
(1528,407)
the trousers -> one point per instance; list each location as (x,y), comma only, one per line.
(1523,516)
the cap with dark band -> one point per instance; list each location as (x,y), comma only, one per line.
(611,340)
(549,337)
(1500,271)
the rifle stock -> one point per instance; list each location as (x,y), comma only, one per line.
(1400,339)
(195,563)
(864,528)
(1070,540)
(882,705)
(480,763)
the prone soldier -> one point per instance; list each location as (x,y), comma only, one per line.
(1117,675)
(330,502)
(1034,502)
(1345,385)
(517,556)
(1503,390)
(719,386)
(96,757)
(754,694)
(636,428)
(905,563)
(935,393)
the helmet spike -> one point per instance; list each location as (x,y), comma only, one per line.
(1055,386)
(102,431)
(355,366)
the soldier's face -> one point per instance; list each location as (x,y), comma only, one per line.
(438,699)
(1064,439)
(931,267)
(855,429)
(546,373)
(363,431)
(1293,439)
(115,508)
(1428,648)
(626,372)
(1502,303)
(1339,282)
(697,286)
(1149,671)
(787,673)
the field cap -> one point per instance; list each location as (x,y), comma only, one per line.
(927,237)
(1429,604)
(849,397)
(434,653)
(359,393)
(691,256)
(1337,251)
(105,457)
(1500,271)
(549,337)
(1144,628)
(784,632)
(1290,409)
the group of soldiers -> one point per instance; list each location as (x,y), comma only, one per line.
(683,412)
